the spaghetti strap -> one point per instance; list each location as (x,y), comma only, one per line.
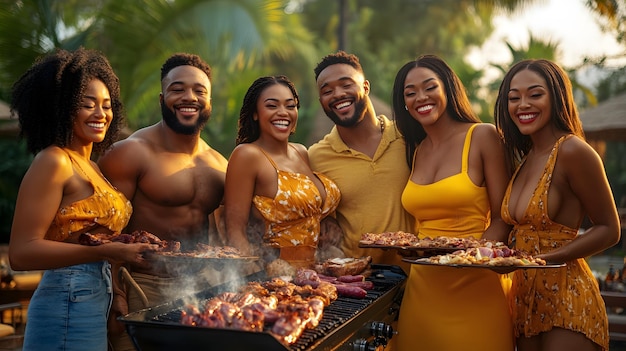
(106,181)
(78,166)
(466,147)
(272,161)
(297,153)
(267,156)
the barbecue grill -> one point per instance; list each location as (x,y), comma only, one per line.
(347,323)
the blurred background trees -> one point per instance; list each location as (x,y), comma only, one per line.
(244,39)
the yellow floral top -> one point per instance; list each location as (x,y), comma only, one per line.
(106,207)
(542,299)
(292,217)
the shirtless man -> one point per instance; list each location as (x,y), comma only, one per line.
(173,178)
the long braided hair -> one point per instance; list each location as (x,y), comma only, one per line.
(249,129)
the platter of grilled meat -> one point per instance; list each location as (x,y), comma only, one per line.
(410,245)
(169,251)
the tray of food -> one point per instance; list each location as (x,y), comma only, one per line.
(498,269)
(413,246)
(203,256)
(499,260)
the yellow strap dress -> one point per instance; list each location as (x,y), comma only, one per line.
(106,207)
(445,308)
(567,297)
(292,217)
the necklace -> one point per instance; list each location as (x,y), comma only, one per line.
(382,123)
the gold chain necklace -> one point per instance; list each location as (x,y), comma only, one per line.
(382,124)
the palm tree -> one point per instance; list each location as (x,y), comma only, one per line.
(137,36)
(546,49)
(234,37)
(613,15)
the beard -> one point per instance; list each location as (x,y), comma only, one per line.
(359,109)
(169,117)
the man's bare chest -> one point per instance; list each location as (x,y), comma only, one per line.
(198,185)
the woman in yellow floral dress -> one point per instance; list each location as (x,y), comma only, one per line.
(269,183)
(559,180)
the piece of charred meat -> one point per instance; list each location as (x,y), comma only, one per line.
(138,236)
(285,308)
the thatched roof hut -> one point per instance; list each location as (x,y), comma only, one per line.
(606,121)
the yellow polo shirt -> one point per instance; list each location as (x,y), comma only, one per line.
(371,189)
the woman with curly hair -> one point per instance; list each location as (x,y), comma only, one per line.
(559,180)
(269,181)
(68,104)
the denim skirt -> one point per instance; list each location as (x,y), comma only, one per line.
(69,309)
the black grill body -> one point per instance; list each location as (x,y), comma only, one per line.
(346,319)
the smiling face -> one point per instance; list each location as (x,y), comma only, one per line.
(529,102)
(343,94)
(186,99)
(276,112)
(424,96)
(94,114)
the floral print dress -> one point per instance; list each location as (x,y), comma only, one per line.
(542,299)
(292,217)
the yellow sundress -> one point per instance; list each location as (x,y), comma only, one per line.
(447,308)
(292,217)
(106,207)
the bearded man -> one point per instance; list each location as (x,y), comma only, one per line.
(364,155)
(175,182)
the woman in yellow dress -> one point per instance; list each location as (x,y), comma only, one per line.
(560,180)
(456,186)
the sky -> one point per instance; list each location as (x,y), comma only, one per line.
(568,22)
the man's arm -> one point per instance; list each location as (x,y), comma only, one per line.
(123,165)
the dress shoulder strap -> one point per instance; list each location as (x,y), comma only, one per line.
(77,165)
(549,168)
(298,153)
(466,148)
(267,156)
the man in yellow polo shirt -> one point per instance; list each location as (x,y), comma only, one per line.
(364,154)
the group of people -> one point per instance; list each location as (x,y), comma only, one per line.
(433,169)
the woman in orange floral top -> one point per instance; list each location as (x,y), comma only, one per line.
(269,183)
(68,104)
(559,180)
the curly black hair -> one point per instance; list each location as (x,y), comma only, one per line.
(47,98)
(185,59)
(249,130)
(336,58)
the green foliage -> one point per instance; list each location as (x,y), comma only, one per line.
(12,169)
(387,34)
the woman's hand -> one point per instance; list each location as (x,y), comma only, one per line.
(118,252)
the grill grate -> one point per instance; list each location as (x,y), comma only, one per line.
(338,317)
